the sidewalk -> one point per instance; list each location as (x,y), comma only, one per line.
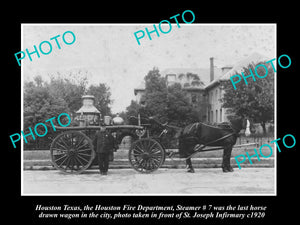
(41,159)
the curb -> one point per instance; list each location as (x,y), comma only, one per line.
(169,163)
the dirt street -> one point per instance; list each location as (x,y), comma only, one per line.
(205,181)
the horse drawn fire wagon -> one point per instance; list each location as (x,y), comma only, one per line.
(72,150)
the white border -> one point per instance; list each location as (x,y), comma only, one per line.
(146,24)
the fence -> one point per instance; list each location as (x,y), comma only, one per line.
(45,142)
(259,140)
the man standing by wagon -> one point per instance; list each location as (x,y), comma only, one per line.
(104,145)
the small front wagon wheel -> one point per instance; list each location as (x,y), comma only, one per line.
(72,152)
(146,155)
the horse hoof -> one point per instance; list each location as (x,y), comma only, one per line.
(226,170)
(191,171)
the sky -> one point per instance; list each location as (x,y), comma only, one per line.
(109,53)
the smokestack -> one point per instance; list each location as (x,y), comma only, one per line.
(211,69)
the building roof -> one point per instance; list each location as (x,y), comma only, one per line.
(238,67)
(204,73)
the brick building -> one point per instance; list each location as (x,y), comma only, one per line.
(204,89)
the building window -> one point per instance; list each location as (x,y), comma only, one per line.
(212,116)
(220,115)
(216,115)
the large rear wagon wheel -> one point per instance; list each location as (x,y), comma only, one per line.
(146,155)
(72,152)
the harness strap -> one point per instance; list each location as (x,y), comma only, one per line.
(226,136)
(198,149)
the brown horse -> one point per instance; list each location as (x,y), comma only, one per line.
(203,134)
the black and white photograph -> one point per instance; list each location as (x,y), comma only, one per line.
(172,109)
(132,114)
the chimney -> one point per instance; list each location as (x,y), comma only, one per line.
(211,69)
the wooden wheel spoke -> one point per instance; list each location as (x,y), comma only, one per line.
(156,159)
(146,155)
(151,164)
(158,152)
(79,153)
(157,155)
(64,147)
(138,150)
(67,162)
(63,141)
(141,149)
(72,140)
(72,167)
(77,158)
(82,158)
(60,157)
(84,150)
(63,162)
(145,167)
(72,152)
(136,154)
(143,163)
(79,142)
(140,162)
(84,144)
(59,149)
(151,148)
(155,163)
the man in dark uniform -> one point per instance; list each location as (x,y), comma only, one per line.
(104,145)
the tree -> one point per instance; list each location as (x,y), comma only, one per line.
(133,109)
(102,98)
(155,97)
(66,89)
(179,109)
(169,104)
(40,105)
(255,100)
(62,94)
(192,79)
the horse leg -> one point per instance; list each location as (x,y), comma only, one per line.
(189,166)
(226,159)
